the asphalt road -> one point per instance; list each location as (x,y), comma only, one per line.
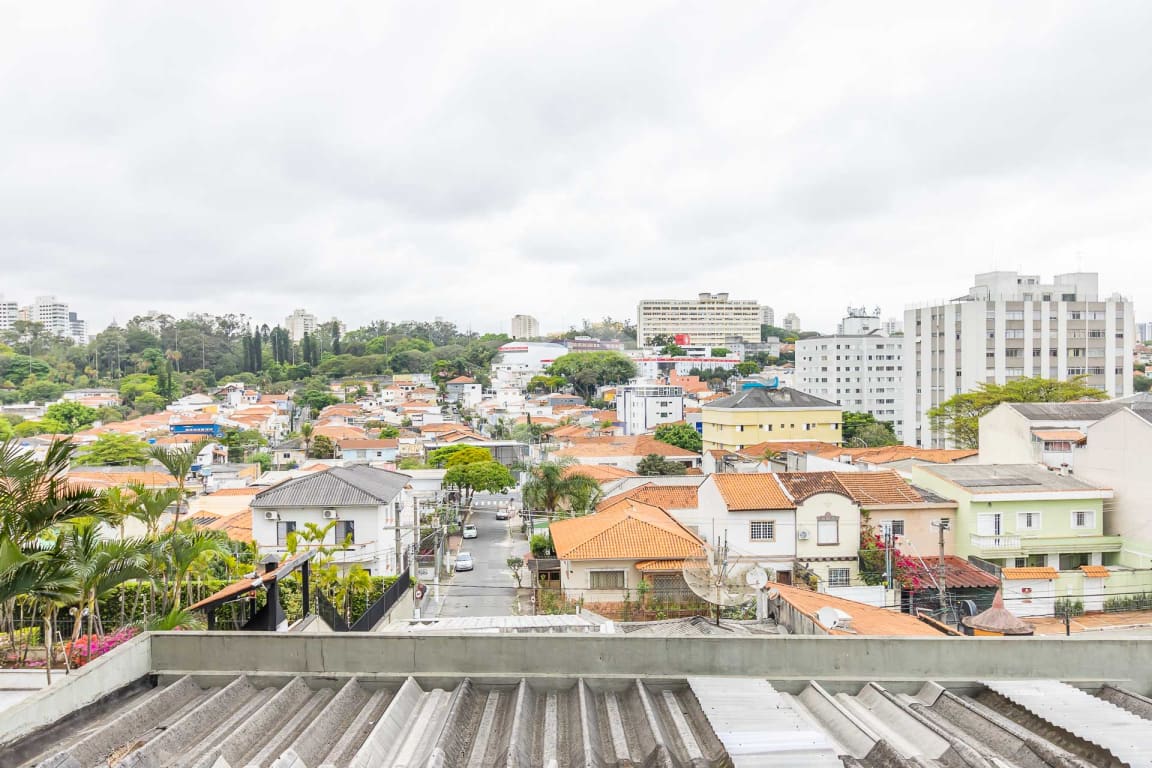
(489,589)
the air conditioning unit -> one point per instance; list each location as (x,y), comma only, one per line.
(271,515)
(802,535)
(329,514)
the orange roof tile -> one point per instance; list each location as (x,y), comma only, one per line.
(1017,574)
(660,565)
(237,526)
(339,432)
(249,490)
(620,445)
(866,619)
(801,485)
(629,531)
(599,472)
(94,479)
(663,496)
(884,487)
(1095,571)
(1070,435)
(890,453)
(462,380)
(782,446)
(743,492)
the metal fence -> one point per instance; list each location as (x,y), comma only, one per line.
(371,617)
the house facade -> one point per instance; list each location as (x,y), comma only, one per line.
(382,450)
(366,507)
(753,515)
(759,414)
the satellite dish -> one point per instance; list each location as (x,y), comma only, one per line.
(720,581)
(833,618)
(756,578)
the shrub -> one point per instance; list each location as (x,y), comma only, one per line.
(1069,606)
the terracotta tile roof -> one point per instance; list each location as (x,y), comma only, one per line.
(620,445)
(237,526)
(440,427)
(866,619)
(94,479)
(1016,574)
(462,380)
(742,492)
(890,453)
(1070,435)
(758,450)
(660,565)
(601,473)
(250,490)
(357,444)
(958,573)
(663,496)
(801,485)
(629,531)
(885,488)
(339,432)
(1095,571)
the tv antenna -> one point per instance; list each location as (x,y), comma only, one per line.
(722,582)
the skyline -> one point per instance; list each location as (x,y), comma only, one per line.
(394,162)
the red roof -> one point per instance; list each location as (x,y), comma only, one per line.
(958,574)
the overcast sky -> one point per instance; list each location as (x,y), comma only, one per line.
(405,161)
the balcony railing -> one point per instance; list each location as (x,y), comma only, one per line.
(995,542)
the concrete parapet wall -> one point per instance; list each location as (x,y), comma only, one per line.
(776,658)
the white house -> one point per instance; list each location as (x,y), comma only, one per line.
(643,407)
(753,515)
(365,503)
(463,390)
(366,450)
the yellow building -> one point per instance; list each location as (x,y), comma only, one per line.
(759,415)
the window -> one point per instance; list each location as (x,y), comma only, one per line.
(1057,446)
(1074,561)
(988,524)
(345,529)
(283,528)
(606,579)
(897,527)
(839,577)
(827,530)
(1028,521)
(1083,518)
(762,530)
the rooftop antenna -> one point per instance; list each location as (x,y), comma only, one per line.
(722,582)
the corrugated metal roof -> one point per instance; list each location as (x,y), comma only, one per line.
(352,486)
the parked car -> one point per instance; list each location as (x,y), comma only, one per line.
(470,532)
(503,513)
(464,561)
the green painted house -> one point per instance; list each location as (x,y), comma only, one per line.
(1024,515)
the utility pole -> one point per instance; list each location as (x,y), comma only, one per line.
(943,526)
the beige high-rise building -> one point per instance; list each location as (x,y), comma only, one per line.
(1011,326)
(524,327)
(300,322)
(710,319)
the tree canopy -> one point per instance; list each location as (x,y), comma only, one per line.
(114,449)
(490,476)
(585,371)
(455,455)
(655,464)
(74,416)
(959,416)
(681,436)
(862,430)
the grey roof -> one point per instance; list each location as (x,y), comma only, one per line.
(759,398)
(1007,478)
(1083,411)
(351,486)
(931,496)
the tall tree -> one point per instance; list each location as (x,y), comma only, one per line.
(959,416)
(551,487)
(178,462)
(585,371)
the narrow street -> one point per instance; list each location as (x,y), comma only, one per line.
(489,590)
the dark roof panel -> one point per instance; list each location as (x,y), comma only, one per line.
(356,485)
(759,398)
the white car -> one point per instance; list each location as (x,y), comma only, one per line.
(470,532)
(464,561)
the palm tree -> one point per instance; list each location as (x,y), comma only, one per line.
(36,502)
(150,504)
(551,487)
(99,565)
(46,582)
(353,581)
(178,462)
(306,434)
(183,548)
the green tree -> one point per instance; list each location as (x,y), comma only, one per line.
(306,435)
(959,416)
(454,455)
(551,487)
(181,549)
(490,476)
(655,464)
(680,435)
(178,462)
(388,432)
(322,447)
(149,402)
(41,427)
(115,450)
(1142,383)
(585,371)
(878,434)
(545,383)
(100,565)
(74,416)
(720,351)
(747,368)
(672,350)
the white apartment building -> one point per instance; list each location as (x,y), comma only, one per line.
(9,314)
(524,327)
(792,322)
(54,315)
(300,322)
(1010,326)
(643,407)
(707,320)
(860,368)
(767,315)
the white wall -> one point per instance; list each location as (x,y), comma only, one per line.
(1116,457)
(713,522)
(1005,437)
(374,535)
